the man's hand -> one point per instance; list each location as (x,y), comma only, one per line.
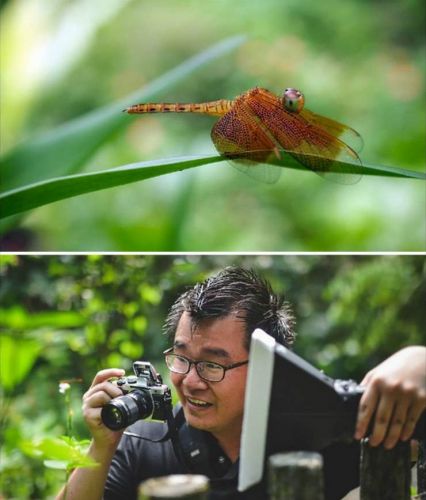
(100,393)
(395,391)
(89,482)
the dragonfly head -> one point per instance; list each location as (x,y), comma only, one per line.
(293,100)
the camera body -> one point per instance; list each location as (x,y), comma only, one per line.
(147,380)
(350,392)
(144,396)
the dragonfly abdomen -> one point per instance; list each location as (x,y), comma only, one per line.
(215,108)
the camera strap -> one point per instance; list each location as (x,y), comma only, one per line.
(189,444)
(195,450)
(187,454)
(143,438)
(170,420)
(174,424)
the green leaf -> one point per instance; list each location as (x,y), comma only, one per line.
(42,193)
(150,293)
(56,449)
(132,350)
(18,318)
(17,356)
(71,440)
(66,148)
(59,453)
(55,464)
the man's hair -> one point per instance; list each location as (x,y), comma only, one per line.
(241,292)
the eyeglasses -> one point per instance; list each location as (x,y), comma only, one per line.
(207,370)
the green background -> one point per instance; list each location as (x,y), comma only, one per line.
(66,317)
(360,62)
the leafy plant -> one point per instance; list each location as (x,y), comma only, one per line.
(64,150)
(102,311)
(65,452)
(43,170)
(44,192)
(17,356)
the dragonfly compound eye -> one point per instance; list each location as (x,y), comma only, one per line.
(293,100)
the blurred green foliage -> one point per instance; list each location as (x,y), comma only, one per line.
(359,62)
(65,317)
(65,453)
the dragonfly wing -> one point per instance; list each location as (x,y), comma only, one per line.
(248,147)
(269,174)
(319,153)
(346,134)
(316,147)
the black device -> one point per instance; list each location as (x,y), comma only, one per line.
(316,409)
(290,406)
(144,396)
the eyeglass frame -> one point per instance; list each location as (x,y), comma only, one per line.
(191,362)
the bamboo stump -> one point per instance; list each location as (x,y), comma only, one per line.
(183,486)
(385,474)
(295,476)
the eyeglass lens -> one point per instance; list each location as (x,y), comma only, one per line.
(205,369)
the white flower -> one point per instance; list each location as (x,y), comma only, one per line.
(64,387)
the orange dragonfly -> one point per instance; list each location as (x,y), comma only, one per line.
(259,127)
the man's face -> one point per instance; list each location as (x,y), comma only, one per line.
(220,341)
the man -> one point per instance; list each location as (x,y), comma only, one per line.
(210,327)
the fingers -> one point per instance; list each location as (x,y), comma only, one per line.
(366,409)
(102,396)
(110,389)
(92,409)
(396,423)
(413,415)
(99,394)
(394,397)
(387,422)
(92,415)
(391,409)
(367,378)
(107,374)
(96,398)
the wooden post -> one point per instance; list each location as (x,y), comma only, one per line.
(295,476)
(385,474)
(183,486)
(421,469)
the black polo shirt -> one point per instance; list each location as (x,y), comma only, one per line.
(138,459)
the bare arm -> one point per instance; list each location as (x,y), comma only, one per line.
(395,391)
(90,482)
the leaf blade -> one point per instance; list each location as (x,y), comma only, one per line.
(75,141)
(49,191)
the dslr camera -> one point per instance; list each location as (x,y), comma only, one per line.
(144,396)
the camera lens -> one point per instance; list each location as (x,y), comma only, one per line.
(125,410)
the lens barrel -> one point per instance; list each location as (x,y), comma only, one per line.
(125,410)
